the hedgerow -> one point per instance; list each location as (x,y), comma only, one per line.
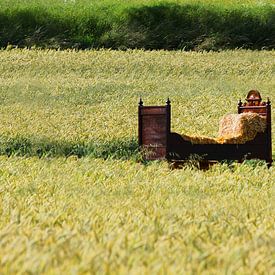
(138,24)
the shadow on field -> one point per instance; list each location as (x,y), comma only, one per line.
(115,149)
(38,27)
(201,27)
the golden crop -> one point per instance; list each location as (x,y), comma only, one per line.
(94,215)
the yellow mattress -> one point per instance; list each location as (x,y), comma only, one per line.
(234,129)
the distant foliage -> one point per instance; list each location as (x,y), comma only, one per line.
(189,25)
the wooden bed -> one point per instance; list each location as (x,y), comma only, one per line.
(158,142)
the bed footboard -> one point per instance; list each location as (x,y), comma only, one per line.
(154,130)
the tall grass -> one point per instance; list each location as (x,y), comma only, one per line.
(91,97)
(73,198)
(152,24)
(108,217)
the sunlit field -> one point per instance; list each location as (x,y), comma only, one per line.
(74,196)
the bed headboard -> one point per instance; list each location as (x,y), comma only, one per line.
(154,127)
(255,104)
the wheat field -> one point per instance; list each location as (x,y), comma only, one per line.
(74,199)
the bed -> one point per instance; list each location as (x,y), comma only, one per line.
(156,141)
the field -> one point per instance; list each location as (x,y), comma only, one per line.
(144,24)
(74,197)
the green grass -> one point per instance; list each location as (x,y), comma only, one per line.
(74,198)
(190,25)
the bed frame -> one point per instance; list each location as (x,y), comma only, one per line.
(156,140)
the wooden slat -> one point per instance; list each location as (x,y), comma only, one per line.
(153,110)
(154,130)
(261,110)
